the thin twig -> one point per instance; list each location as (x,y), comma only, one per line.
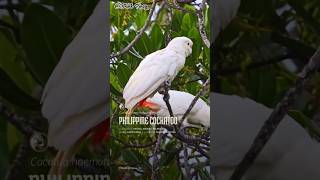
(186,164)
(276,116)
(139,35)
(233,70)
(20,123)
(175,5)
(201,24)
(204,88)
(155,159)
(164,90)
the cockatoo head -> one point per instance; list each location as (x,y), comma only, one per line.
(181,44)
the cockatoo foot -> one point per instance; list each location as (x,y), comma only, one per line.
(129,113)
(164,88)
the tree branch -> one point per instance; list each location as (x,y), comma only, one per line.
(233,70)
(202,29)
(186,164)
(276,116)
(155,159)
(204,88)
(139,35)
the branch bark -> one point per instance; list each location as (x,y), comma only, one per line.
(204,88)
(276,116)
(139,35)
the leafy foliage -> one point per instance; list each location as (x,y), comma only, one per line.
(260,53)
(31,46)
(166,24)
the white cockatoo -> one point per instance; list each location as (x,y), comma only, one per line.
(180,102)
(291,154)
(75,97)
(156,69)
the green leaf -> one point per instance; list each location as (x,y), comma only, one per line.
(13,94)
(124,74)
(305,122)
(157,38)
(143,45)
(141,18)
(134,157)
(187,23)
(44,37)
(171,171)
(13,66)
(203,173)
(262,86)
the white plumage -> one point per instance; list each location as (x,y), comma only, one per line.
(155,69)
(180,102)
(75,96)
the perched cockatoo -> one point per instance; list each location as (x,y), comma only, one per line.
(156,69)
(76,95)
(180,102)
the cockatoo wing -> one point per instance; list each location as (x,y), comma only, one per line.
(153,71)
(73,88)
(223,12)
(180,102)
(236,123)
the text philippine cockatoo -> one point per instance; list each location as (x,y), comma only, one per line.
(156,69)
(75,97)
(180,102)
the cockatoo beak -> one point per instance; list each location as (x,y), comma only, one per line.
(189,50)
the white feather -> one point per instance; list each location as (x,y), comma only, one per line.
(180,102)
(156,68)
(75,96)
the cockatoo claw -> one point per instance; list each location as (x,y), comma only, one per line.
(164,88)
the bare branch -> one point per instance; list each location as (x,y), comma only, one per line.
(20,123)
(175,5)
(155,160)
(276,116)
(164,90)
(204,88)
(233,70)
(186,164)
(201,24)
